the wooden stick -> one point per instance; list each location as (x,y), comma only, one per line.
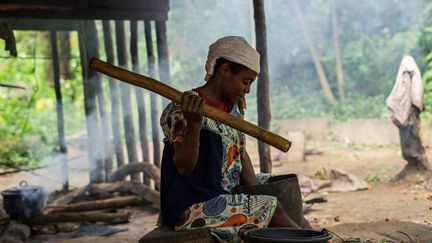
(115,202)
(176,96)
(97,216)
(70,196)
(99,188)
(136,188)
(150,170)
(11,86)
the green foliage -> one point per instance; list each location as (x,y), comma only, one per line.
(374,36)
(364,240)
(285,107)
(361,106)
(356,105)
(13,153)
(28,121)
(425,43)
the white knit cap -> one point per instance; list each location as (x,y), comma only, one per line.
(235,49)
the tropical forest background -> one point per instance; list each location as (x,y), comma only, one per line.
(357,44)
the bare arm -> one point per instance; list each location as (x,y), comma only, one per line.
(186,153)
(248,177)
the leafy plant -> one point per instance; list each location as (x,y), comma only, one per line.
(28,121)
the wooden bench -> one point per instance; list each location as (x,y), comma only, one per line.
(167,235)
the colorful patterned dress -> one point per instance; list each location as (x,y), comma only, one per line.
(204,198)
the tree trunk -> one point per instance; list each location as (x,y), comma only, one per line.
(251,13)
(65,54)
(44,43)
(412,148)
(263,92)
(315,56)
(339,66)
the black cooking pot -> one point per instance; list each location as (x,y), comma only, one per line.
(288,235)
(23,202)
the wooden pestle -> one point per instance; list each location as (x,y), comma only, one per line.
(176,96)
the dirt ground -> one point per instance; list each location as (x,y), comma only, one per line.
(384,203)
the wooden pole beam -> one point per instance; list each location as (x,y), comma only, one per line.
(115,101)
(162,49)
(263,90)
(154,104)
(129,129)
(59,108)
(139,95)
(90,106)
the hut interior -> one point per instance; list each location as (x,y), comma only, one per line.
(80,17)
(117,147)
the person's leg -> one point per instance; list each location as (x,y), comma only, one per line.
(282,219)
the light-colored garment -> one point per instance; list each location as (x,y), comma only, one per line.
(407,91)
(331,180)
(235,49)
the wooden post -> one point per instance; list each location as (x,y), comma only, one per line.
(125,97)
(263,93)
(59,107)
(153,97)
(105,135)
(86,44)
(142,123)
(115,101)
(163,60)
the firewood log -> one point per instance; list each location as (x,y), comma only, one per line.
(127,169)
(69,197)
(136,188)
(96,216)
(115,202)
